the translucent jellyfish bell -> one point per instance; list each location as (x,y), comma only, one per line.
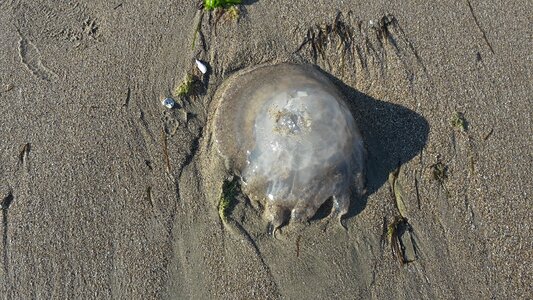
(287,132)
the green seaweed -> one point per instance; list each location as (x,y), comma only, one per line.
(189,85)
(185,86)
(233,13)
(214,4)
(196,32)
(227,198)
(458,121)
(397,191)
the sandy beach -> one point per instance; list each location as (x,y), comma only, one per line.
(107,194)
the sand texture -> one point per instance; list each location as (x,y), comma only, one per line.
(106,194)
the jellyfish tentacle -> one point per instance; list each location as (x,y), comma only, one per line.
(302,212)
(341,205)
(277,215)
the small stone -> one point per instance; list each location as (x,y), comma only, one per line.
(168,103)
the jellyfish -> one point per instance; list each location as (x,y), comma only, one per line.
(286,131)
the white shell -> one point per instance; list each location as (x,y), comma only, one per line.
(201,66)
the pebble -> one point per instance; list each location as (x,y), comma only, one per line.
(168,103)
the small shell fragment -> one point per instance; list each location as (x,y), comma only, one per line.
(201,66)
(168,103)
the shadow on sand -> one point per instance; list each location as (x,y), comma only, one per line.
(393,135)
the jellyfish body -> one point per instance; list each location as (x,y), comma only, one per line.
(287,132)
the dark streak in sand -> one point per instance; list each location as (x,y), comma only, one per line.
(479,26)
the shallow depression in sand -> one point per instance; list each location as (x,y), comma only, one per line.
(286,131)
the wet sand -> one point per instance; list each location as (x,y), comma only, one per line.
(105,193)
